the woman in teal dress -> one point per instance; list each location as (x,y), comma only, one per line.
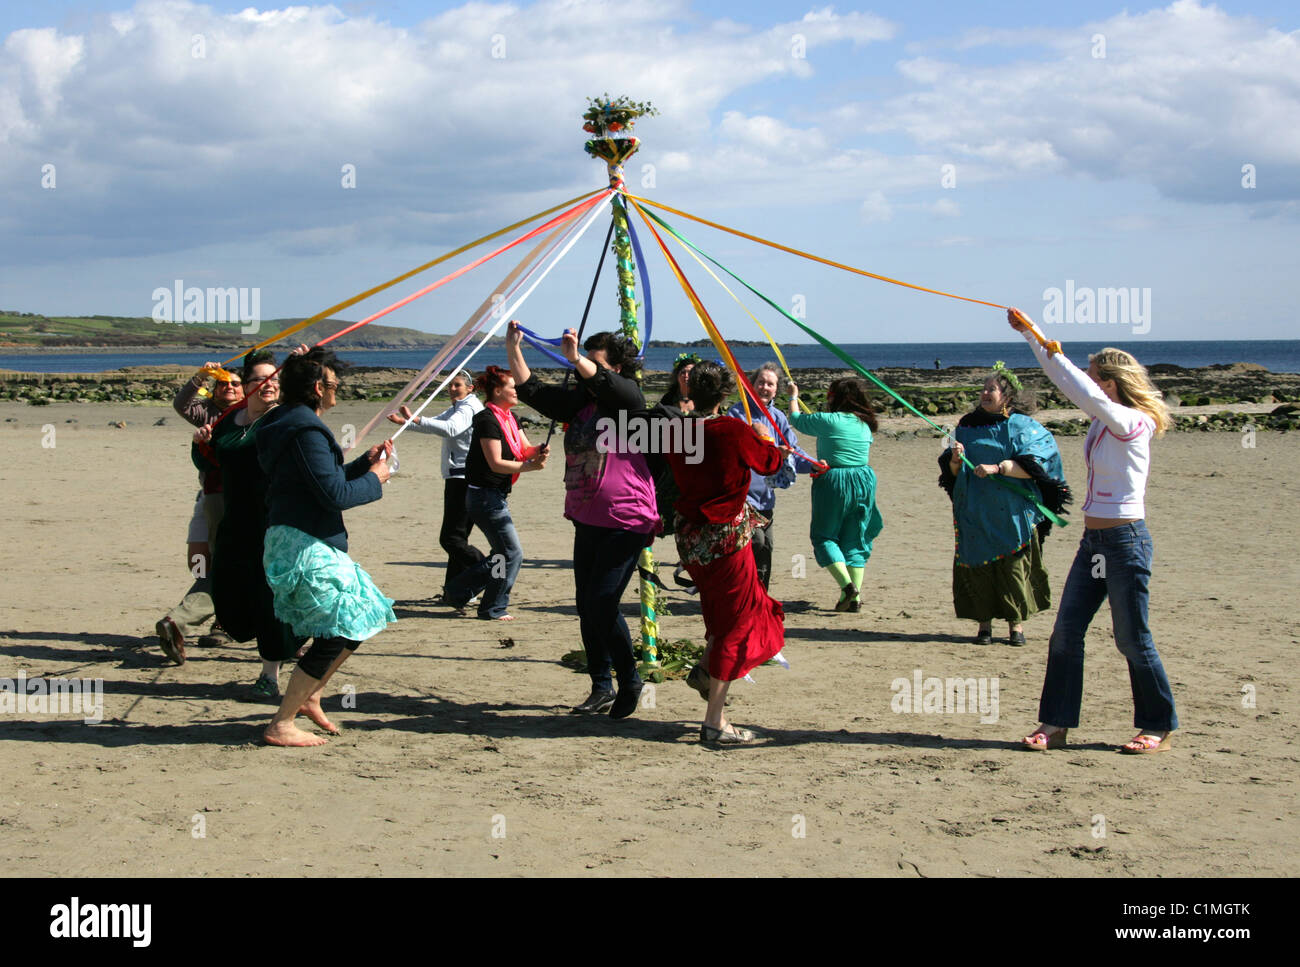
(318,591)
(997,569)
(845,518)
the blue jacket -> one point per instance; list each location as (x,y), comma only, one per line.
(309,485)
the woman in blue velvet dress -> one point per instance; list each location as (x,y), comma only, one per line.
(997,570)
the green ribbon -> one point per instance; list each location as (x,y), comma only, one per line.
(856,367)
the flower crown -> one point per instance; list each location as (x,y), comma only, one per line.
(1000,369)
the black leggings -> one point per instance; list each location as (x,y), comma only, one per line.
(322,653)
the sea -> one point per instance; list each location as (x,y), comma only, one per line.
(1275,355)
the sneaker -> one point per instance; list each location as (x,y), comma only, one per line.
(266,687)
(600,700)
(625,702)
(170,640)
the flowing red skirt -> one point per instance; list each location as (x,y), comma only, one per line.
(745,624)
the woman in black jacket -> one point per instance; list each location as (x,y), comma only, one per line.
(319,592)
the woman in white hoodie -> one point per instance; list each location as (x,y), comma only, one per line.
(1114,558)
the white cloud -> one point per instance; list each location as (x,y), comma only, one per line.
(945,208)
(1183,96)
(470,111)
(876,208)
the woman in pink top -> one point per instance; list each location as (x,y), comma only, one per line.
(1114,558)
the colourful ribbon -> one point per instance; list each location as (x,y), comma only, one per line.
(849,360)
(718,341)
(518,276)
(326,313)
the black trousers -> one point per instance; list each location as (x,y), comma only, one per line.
(762,545)
(456,525)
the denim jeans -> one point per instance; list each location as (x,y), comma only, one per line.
(1113,563)
(604,560)
(495,575)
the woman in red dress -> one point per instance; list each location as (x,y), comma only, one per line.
(714,524)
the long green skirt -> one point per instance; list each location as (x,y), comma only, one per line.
(845,518)
(1008,589)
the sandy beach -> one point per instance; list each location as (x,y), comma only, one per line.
(458,757)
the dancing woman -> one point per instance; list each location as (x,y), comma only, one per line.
(715,523)
(240,594)
(498,454)
(455,425)
(609,494)
(997,567)
(1114,557)
(318,591)
(845,518)
(679,383)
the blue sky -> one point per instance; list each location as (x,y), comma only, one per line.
(997,150)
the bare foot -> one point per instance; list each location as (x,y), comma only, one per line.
(506,617)
(288,734)
(311,708)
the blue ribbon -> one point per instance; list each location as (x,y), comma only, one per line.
(645,287)
(541,342)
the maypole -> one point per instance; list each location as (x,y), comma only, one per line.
(610,122)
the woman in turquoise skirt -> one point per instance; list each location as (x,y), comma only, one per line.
(845,518)
(997,568)
(318,591)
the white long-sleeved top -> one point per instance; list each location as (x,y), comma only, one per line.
(455,425)
(1117,449)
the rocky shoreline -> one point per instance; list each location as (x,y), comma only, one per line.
(1222,397)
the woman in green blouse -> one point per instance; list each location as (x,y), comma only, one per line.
(845,518)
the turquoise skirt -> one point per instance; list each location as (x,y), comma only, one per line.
(319,592)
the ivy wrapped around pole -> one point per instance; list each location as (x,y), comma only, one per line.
(610,122)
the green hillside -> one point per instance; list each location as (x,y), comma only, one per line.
(32,330)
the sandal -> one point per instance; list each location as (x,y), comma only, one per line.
(1041,740)
(728,736)
(1146,744)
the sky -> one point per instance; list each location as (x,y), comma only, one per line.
(1048,156)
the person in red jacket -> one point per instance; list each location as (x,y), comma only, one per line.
(714,525)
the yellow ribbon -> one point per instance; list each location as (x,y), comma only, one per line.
(771,342)
(705,319)
(325,314)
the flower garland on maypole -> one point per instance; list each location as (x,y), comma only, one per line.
(610,122)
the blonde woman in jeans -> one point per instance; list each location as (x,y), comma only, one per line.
(1114,558)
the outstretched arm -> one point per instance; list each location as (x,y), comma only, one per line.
(1123,421)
